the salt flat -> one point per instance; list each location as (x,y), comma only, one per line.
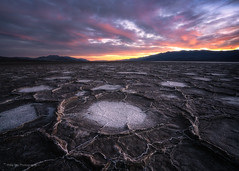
(119,116)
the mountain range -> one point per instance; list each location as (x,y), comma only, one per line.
(49,58)
(196,55)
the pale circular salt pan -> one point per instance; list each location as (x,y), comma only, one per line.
(137,73)
(173,84)
(202,78)
(190,73)
(58,78)
(67,72)
(169,96)
(226,79)
(15,117)
(115,114)
(83,81)
(217,74)
(34,89)
(231,100)
(108,87)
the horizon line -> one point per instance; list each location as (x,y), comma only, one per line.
(124,57)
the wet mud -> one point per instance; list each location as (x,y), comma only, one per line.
(119,116)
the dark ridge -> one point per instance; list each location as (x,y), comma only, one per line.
(198,55)
(60,58)
(49,58)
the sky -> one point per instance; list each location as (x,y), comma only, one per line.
(116,29)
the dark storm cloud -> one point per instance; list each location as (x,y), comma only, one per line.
(113,27)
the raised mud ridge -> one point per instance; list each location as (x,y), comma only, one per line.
(119,116)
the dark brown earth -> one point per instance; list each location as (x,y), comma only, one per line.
(191,123)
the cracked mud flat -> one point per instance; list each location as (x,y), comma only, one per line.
(119,116)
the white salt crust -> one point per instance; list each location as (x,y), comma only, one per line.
(231,100)
(190,73)
(115,114)
(83,81)
(202,78)
(80,93)
(169,96)
(108,87)
(173,84)
(137,73)
(15,117)
(34,89)
(58,78)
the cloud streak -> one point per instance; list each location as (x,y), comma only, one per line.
(112,29)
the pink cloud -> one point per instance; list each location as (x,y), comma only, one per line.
(19,36)
(112,31)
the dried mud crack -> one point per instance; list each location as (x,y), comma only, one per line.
(119,116)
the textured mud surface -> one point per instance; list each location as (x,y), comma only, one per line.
(119,116)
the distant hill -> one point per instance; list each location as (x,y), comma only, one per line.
(60,58)
(197,55)
(49,58)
